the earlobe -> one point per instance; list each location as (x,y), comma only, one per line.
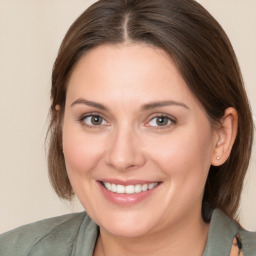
(57,107)
(226,132)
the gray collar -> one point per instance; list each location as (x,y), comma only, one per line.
(221,233)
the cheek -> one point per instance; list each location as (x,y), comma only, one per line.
(193,152)
(81,152)
(184,149)
(184,157)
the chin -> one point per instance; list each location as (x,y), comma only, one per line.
(127,226)
(126,231)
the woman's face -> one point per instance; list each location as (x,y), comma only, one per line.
(137,143)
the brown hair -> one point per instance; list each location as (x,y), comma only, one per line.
(204,57)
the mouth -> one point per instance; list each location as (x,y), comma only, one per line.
(129,189)
(128,193)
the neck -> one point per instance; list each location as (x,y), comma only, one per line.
(188,238)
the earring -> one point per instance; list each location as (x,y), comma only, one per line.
(218,157)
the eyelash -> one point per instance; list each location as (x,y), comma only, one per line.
(83,117)
(170,119)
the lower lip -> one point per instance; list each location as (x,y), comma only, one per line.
(126,199)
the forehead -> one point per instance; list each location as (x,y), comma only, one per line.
(135,72)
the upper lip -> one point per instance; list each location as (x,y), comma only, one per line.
(128,182)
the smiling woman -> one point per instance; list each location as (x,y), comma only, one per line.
(144,139)
(151,129)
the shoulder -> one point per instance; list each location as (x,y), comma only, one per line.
(248,240)
(223,230)
(54,231)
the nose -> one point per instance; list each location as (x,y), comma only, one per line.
(124,152)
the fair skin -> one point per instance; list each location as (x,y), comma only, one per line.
(130,119)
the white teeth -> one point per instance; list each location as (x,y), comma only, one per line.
(113,187)
(144,187)
(152,185)
(108,185)
(120,189)
(130,189)
(137,188)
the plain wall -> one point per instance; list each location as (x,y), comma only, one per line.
(30,34)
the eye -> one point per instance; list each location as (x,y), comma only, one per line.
(93,120)
(159,121)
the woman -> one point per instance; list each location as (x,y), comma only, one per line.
(152,130)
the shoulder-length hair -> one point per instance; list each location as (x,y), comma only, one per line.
(204,57)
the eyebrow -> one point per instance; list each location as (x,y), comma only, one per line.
(158,104)
(144,107)
(89,103)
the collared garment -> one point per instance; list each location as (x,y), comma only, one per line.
(76,235)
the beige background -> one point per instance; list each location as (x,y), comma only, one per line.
(30,34)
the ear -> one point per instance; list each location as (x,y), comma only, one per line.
(226,134)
